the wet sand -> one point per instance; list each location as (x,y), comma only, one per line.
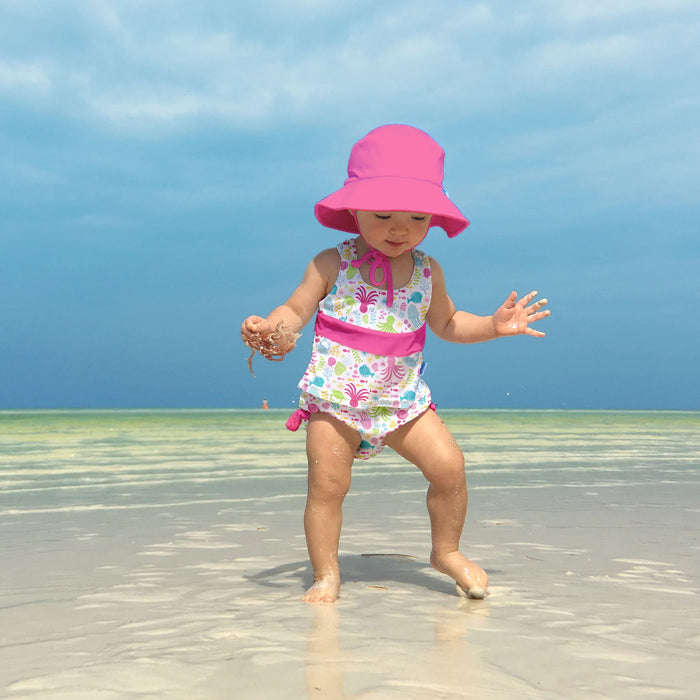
(162,555)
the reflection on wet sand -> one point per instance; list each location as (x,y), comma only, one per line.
(334,671)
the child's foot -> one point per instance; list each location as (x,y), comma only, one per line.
(323,590)
(472,580)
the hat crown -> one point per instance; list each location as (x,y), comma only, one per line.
(397,150)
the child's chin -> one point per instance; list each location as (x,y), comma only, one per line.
(395,249)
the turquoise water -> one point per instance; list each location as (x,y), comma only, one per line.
(53,460)
(77,459)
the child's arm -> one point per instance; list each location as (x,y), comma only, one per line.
(296,312)
(512,318)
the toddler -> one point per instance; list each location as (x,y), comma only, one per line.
(363,389)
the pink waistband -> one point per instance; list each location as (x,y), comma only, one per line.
(368,340)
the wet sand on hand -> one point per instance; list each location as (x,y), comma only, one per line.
(153,555)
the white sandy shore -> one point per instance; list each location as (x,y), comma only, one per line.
(594,592)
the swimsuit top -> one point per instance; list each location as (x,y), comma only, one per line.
(365,353)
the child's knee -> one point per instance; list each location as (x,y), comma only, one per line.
(450,457)
(447,470)
(328,484)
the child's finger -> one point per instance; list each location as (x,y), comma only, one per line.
(538,316)
(537,305)
(534,333)
(528,298)
(510,300)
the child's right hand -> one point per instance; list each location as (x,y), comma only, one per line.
(254,326)
(272,342)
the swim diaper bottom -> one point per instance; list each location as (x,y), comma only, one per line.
(373,424)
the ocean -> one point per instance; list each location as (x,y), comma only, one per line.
(161,553)
(125,459)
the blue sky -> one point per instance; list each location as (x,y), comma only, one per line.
(160,162)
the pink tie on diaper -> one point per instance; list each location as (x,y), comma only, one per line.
(378,260)
(295,420)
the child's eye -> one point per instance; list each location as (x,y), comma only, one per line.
(418,218)
(383,217)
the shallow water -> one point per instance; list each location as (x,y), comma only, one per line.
(121,459)
(161,553)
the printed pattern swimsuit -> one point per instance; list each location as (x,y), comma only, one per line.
(366,360)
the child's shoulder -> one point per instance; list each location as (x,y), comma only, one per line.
(345,250)
(328,262)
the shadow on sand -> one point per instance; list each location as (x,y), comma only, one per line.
(372,569)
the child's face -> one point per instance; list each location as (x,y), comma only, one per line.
(393,232)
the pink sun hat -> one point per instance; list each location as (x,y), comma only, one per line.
(393,168)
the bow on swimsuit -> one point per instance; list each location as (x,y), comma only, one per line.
(378,260)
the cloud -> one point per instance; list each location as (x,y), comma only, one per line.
(561,58)
(154,65)
(23,78)
(551,96)
(595,92)
(577,13)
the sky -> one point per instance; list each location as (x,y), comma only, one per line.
(160,161)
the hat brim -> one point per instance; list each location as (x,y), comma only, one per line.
(389,194)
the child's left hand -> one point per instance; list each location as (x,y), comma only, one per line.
(514,317)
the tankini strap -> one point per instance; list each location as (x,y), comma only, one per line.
(368,339)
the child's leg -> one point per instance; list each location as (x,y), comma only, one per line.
(427,443)
(330,448)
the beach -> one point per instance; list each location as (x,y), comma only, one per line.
(161,554)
